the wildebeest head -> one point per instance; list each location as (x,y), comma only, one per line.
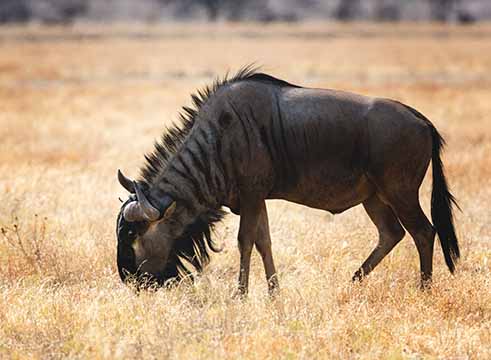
(156,235)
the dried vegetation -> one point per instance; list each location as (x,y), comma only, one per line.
(74,108)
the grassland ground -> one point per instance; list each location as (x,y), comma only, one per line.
(78,103)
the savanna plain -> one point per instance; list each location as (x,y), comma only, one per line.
(78,103)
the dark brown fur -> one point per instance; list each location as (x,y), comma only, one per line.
(254,137)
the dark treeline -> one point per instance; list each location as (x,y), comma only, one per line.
(67,11)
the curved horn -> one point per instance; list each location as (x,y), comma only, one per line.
(125,182)
(133,212)
(149,212)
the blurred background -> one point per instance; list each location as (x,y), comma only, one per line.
(68,11)
(86,86)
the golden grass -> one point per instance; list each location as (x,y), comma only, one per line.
(74,111)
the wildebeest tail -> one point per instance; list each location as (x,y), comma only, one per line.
(441,204)
(442,200)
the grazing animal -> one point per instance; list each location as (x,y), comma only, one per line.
(254,137)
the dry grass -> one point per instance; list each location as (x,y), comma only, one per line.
(74,109)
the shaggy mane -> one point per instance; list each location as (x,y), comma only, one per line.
(174,136)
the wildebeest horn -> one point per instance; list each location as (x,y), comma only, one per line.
(125,182)
(141,209)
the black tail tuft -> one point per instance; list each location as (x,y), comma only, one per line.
(441,204)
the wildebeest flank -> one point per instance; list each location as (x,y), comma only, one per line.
(254,137)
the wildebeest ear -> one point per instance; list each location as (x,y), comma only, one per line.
(125,182)
(169,211)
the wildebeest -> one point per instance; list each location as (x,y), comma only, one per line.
(254,137)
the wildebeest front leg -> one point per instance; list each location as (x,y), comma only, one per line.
(247,230)
(263,245)
(254,229)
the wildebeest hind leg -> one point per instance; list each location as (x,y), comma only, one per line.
(417,224)
(390,233)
